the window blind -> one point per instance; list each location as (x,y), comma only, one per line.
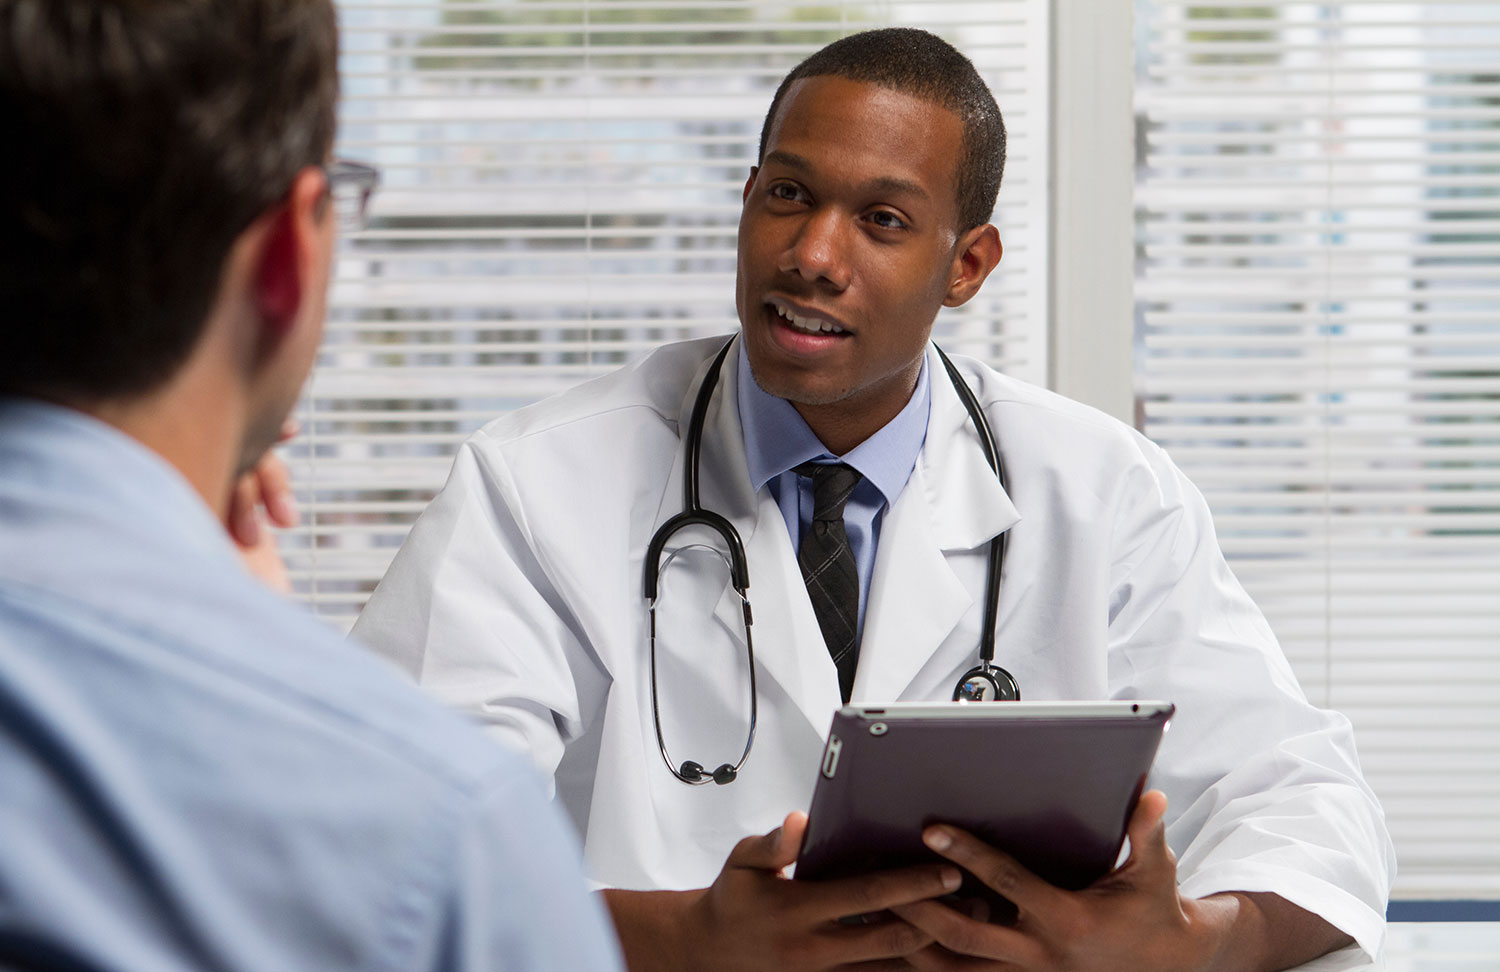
(1318,318)
(561,194)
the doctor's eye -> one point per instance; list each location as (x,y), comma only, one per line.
(885,219)
(787,192)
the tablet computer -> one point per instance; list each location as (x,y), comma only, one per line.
(1053,784)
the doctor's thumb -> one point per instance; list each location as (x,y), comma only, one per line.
(1147,829)
(775,850)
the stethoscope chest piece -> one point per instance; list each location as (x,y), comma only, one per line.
(987,683)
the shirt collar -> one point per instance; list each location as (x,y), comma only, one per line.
(70,460)
(778,439)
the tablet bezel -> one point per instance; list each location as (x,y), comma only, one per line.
(1002,711)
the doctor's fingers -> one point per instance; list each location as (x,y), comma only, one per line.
(881,947)
(872,893)
(936,958)
(961,944)
(997,869)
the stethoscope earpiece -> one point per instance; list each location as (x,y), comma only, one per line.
(691,772)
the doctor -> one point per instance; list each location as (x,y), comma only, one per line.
(518,597)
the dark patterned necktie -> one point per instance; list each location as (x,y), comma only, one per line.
(827,563)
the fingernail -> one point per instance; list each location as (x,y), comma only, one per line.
(937,839)
(286,508)
(247,527)
(951,878)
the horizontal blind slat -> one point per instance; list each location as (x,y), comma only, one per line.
(1319,291)
(561,192)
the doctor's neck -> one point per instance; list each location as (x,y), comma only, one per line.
(844,420)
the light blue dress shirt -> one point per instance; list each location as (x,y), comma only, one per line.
(194,774)
(777,440)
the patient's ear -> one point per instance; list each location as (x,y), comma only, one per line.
(291,251)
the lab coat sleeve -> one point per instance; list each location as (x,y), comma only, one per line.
(1265,790)
(468,611)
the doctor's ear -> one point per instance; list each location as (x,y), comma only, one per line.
(977,253)
(754,171)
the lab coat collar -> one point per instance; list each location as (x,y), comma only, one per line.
(967,504)
(724,473)
(953,503)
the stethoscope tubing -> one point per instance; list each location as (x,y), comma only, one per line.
(997,546)
(693,514)
(993,682)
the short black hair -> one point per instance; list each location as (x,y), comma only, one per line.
(141,138)
(925,66)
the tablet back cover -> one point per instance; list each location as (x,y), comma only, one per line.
(1055,793)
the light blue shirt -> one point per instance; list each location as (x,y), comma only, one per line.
(194,774)
(777,440)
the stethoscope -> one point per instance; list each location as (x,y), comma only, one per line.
(985,682)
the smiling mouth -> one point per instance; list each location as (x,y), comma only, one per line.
(807,325)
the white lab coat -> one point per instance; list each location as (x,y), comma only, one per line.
(518,599)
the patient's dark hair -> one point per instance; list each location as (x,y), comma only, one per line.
(925,66)
(141,138)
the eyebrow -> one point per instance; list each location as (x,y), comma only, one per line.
(882,185)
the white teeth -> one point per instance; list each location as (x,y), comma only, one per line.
(811,325)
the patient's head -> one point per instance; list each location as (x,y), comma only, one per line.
(142,138)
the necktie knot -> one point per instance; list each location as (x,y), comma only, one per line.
(833,482)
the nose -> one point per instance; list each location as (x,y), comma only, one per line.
(819,251)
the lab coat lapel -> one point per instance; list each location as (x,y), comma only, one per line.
(953,504)
(788,643)
(788,647)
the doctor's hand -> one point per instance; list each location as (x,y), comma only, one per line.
(755,918)
(1133,917)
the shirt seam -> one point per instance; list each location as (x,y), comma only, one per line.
(405,909)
